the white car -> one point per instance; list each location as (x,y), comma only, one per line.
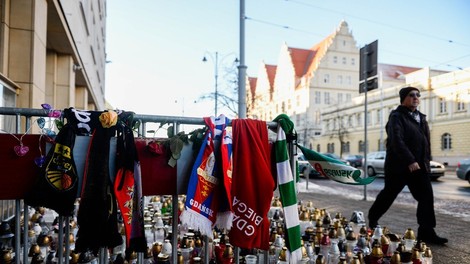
(376,161)
(437,170)
(304,164)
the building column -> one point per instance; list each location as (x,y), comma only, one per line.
(81,97)
(65,86)
(51,78)
(27,44)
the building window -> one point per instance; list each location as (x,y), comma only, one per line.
(353,61)
(327,78)
(345,147)
(446,142)
(327,98)
(344,60)
(340,79)
(348,79)
(317,117)
(318,97)
(379,116)
(8,99)
(348,98)
(340,97)
(331,148)
(335,59)
(318,147)
(381,144)
(361,146)
(8,96)
(460,103)
(442,105)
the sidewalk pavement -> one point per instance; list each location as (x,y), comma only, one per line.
(400,217)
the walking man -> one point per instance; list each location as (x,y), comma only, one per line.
(407,164)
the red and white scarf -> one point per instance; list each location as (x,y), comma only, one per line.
(252,185)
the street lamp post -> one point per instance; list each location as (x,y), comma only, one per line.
(216,76)
(215,59)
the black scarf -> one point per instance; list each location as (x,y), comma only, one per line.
(56,186)
(97,214)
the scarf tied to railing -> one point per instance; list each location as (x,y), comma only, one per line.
(208,195)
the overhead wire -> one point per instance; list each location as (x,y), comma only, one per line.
(371,21)
(283,26)
(381,23)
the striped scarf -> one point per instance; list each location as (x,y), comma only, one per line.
(204,196)
(335,169)
(287,189)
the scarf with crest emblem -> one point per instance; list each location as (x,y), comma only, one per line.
(207,195)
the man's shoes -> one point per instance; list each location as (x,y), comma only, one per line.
(430,237)
(373,224)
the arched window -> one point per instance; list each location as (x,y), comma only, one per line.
(330,148)
(318,147)
(446,141)
(345,147)
(361,146)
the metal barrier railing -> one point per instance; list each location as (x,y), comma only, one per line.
(14,208)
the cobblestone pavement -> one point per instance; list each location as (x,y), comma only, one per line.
(400,217)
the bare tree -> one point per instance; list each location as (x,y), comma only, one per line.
(227,95)
(340,130)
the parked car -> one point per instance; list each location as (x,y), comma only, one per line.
(304,164)
(334,156)
(376,161)
(354,160)
(463,170)
(437,170)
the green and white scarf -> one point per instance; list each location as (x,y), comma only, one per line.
(287,189)
(335,169)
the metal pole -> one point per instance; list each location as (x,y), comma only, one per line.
(174,219)
(365,118)
(25,235)
(60,240)
(18,206)
(382,112)
(242,67)
(216,75)
(241,84)
(67,240)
